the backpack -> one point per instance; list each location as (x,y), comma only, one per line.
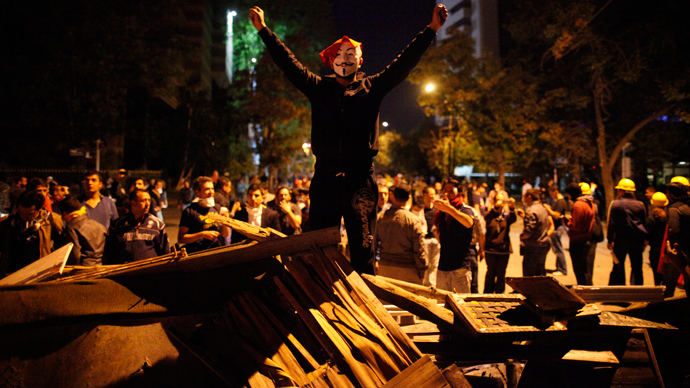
(596,228)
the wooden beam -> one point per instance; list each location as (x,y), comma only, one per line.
(219,257)
(423,291)
(422,374)
(423,307)
(614,294)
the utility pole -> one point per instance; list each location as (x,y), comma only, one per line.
(98,155)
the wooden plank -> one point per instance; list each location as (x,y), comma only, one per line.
(40,269)
(378,311)
(422,374)
(608,318)
(423,307)
(423,291)
(547,294)
(221,256)
(253,232)
(613,294)
(598,357)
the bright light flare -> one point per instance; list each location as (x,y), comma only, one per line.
(430,87)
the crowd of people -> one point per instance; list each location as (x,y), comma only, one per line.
(429,234)
(458,225)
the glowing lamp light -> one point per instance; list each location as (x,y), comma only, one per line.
(429,87)
(385,123)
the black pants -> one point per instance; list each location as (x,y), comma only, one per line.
(354,198)
(495,279)
(623,248)
(582,255)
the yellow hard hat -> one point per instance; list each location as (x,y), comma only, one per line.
(585,188)
(659,199)
(626,185)
(680,179)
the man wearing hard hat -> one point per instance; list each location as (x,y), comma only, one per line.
(627,234)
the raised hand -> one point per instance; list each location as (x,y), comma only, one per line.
(256,15)
(438,18)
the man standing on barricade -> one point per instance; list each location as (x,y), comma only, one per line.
(345,110)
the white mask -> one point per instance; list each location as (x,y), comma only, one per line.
(347,60)
(207,202)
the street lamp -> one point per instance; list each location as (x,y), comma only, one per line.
(229,52)
(429,87)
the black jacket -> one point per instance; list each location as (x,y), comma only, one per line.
(679,224)
(627,221)
(269,219)
(346,121)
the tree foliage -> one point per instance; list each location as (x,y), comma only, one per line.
(629,59)
(495,111)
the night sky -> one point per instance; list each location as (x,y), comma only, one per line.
(385,28)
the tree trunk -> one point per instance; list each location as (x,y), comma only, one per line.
(607,162)
(500,166)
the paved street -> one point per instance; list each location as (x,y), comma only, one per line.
(602,263)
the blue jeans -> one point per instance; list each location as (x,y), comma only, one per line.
(533,260)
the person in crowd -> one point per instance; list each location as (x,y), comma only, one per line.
(557,212)
(98,207)
(163,196)
(58,194)
(18,187)
(117,188)
(478,199)
(345,128)
(197,231)
(28,234)
(186,195)
(454,223)
(222,192)
(383,203)
(498,246)
(678,239)
(476,247)
(432,247)
(627,234)
(648,194)
(399,240)
(580,223)
(657,221)
(498,189)
(254,212)
(290,215)
(534,239)
(39,185)
(137,235)
(306,225)
(87,235)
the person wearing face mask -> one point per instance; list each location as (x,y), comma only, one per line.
(28,234)
(197,231)
(254,212)
(344,136)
